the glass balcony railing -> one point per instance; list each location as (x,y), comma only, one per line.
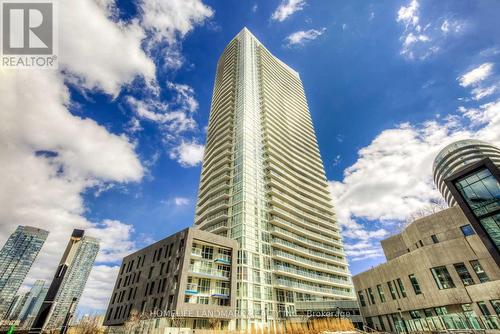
(209,271)
(305,273)
(304,260)
(308,241)
(311,287)
(308,251)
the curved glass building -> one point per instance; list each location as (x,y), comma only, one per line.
(457,156)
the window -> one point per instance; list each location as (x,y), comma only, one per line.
(207,252)
(441,310)
(463,273)
(480,273)
(496,305)
(442,278)
(428,312)
(467,230)
(381,293)
(483,308)
(415,314)
(361,297)
(421,243)
(392,290)
(401,287)
(434,239)
(203,285)
(414,284)
(372,297)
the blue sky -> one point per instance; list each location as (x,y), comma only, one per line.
(388,84)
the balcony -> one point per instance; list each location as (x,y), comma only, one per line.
(223,258)
(211,272)
(304,273)
(306,242)
(191,289)
(306,262)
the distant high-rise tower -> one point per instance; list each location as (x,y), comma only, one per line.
(263,184)
(68,282)
(33,302)
(16,258)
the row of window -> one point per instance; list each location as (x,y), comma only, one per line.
(430,312)
(441,276)
(467,230)
(126,268)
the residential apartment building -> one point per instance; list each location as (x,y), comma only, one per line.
(68,283)
(263,185)
(438,275)
(185,281)
(16,258)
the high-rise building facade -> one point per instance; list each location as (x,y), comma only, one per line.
(16,258)
(263,184)
(68,282)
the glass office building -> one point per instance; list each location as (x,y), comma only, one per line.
(16,258)
(263,184)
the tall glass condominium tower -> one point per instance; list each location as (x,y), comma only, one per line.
(68,283)
(263,184)
(16,258)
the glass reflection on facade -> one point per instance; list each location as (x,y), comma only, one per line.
(481,191)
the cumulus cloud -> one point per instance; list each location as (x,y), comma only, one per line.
(287,8)
(181,201)
(188,153)
(299,38)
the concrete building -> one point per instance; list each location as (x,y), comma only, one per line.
(68,283)
(438,275)
(189,276)
(16,258)
(263,185)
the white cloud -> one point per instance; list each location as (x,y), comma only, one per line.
(181,201)
(287,8)
(174,116)
(99,287)
(91,44)
(255,7)
(171,20)
(480,92)
(299,38)
(420,41)
(409,14)
(476,75)
(188,154)
(50,157)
